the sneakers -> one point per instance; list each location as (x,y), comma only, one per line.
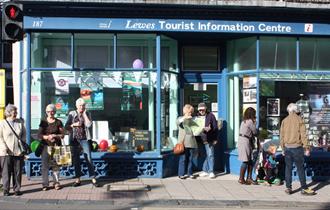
(203,174)
(211,175)
(308,191)
(288,191)
(192,177)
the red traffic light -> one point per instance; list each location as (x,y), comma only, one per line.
(13,12)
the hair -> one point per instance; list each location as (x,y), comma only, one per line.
(249,113)
(188,109)
(51,107)
(9,109)
(80,101)
(292,108)
(271,146)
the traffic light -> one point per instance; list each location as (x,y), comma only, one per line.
(12,22)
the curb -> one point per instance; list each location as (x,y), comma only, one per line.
(175,203)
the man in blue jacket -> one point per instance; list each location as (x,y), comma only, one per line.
(209,138)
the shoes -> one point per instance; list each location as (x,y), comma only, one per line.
(212,175)
(95,183)
(192,177)
(45,188)
(308,191)
(203,174)
(182,177)
(288,191)
(6,193)
(250,181)
(76,184)
(57,186)
(241,181)
(18,193)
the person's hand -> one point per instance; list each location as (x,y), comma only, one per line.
(215,142)
(187,117)
(208,128)
(307,152)
(76,124)
(283,153)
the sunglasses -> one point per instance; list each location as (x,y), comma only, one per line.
(201,110)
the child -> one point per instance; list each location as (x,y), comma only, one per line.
(268,171)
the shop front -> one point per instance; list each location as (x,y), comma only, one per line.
(286,70)
(136,74)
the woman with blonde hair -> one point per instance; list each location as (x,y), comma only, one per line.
(186,137)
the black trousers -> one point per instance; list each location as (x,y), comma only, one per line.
(12,165)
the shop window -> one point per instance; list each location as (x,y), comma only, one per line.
(169,54)
(241,54)
(200,58)
(122,104)
(133,47)
(51,50)
(169,110)
(278,53)
(314,54)
(93,50)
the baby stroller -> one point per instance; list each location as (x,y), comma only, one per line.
(266,166)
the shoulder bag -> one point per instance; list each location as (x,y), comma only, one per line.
(23,145)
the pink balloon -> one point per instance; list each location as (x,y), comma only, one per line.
(137,64)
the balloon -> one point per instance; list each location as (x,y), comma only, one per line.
(113,148)
(95,146)
(137,64)
(103,145)
(34,145)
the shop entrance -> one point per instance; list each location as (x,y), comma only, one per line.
(195,93)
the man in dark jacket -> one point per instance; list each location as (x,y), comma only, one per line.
(209,138)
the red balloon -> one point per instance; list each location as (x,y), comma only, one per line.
(103,145)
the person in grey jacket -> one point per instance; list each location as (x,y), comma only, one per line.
(187,137)
(247,131)
(11,152)
(79,125)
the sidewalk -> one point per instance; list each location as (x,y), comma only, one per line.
(223,191)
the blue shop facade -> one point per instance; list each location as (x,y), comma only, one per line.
(136,74)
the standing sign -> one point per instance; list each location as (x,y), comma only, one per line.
(2,93)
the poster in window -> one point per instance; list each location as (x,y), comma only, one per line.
(91,90)
(249,82)
(273,107)
(249,95)
(131,92)
(273,125)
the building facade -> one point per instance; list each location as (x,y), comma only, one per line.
(136,63)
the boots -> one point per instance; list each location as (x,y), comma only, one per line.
(241,175)
(249,179)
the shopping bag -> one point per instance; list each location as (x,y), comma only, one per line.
(62,155)
(178,149)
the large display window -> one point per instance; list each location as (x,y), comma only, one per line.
(116,75)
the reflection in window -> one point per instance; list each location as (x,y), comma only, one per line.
(169,110)
(242,54)
(94,50)
(314,53)
(200,58)
(121,101)
(135,46)
(51,50)
(278,53)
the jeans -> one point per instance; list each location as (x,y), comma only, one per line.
(208,164)
(296,156)
(84,147)
(186,162)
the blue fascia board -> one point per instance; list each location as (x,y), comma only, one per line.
(174,25)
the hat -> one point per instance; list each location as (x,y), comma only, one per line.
(201,106)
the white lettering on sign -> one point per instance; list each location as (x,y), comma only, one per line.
(130,25)
(277,28)
(37,24)
(225,27)
(177,26)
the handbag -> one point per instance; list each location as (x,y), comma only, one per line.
(62,155)
(25,148)
(178,149)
